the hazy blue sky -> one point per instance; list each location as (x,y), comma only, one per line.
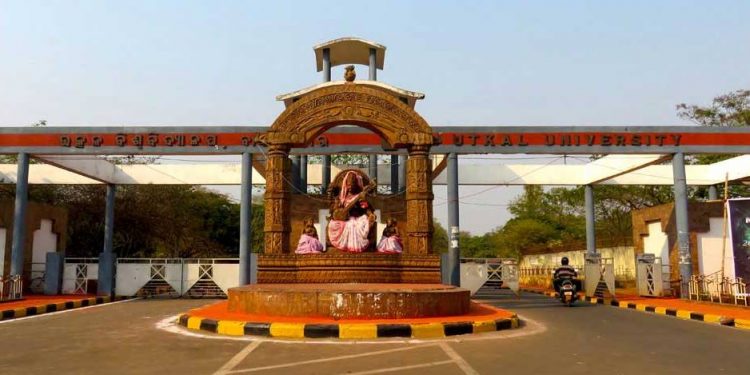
(480,63)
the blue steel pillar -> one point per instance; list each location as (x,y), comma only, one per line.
(394,174)
(453,259)
(19,215)
(373,69)
(326,173)
(303,173)
(590,220)
(372,167)
(681,221)
(247,264)
(296,160)
(107,258)
(326,65)
(401,173)
(712,193)
(326,158)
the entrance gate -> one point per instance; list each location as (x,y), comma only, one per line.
(391,127)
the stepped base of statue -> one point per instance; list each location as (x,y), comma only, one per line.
(339,267)
(350,301)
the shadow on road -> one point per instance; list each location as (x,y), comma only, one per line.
(505,299)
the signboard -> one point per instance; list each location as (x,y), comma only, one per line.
(106,140)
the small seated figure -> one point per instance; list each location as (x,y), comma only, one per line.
(308,241)
(390,243)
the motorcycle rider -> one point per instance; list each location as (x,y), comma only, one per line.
(565,271)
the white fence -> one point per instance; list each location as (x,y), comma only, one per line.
(476,272)
(156,276)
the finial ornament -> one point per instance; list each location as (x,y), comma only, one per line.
(350,74)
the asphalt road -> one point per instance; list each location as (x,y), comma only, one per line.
(123,338)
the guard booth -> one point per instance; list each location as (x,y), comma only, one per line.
(650,276)
(599,275)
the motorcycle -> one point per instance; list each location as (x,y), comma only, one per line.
(568,292)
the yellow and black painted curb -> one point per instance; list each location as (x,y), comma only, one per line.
(354,331)
(53,307)
(677,313)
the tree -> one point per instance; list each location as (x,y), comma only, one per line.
(439,238)
(152,220)
(729,110)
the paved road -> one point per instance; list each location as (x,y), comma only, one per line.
(122,338)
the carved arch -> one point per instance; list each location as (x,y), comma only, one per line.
(349,104)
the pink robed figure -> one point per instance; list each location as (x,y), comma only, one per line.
(352,216)
(308,241)
(390,242)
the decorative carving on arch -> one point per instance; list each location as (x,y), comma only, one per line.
(349,104)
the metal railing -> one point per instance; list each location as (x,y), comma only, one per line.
(11,288)
(212,260)
(714,288)
(150,260)
(82,260)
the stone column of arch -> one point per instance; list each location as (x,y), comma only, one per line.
(277,206)
(419,201)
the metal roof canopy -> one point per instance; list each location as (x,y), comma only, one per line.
(608,170)
(633,153)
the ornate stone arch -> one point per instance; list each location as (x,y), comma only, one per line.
(351,104)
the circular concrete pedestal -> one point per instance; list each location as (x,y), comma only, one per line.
(350,301)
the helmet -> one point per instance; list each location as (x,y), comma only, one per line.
(564,261)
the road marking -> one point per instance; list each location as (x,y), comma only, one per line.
(293,364)
(234,361)
(458,360)
(65,311)
(393,369)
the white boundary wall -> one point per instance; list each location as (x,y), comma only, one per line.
(710,250)
(622,256)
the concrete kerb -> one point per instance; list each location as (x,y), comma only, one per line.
(21,312)
(678,313)
(345,331)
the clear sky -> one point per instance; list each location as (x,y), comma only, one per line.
(480,63)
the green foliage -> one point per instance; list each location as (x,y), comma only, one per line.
(559,208)
(730,110)
(521,234)
(150,220)
(439,238)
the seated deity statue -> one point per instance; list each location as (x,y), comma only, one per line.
(390,242)
(308,241)
(352,218)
